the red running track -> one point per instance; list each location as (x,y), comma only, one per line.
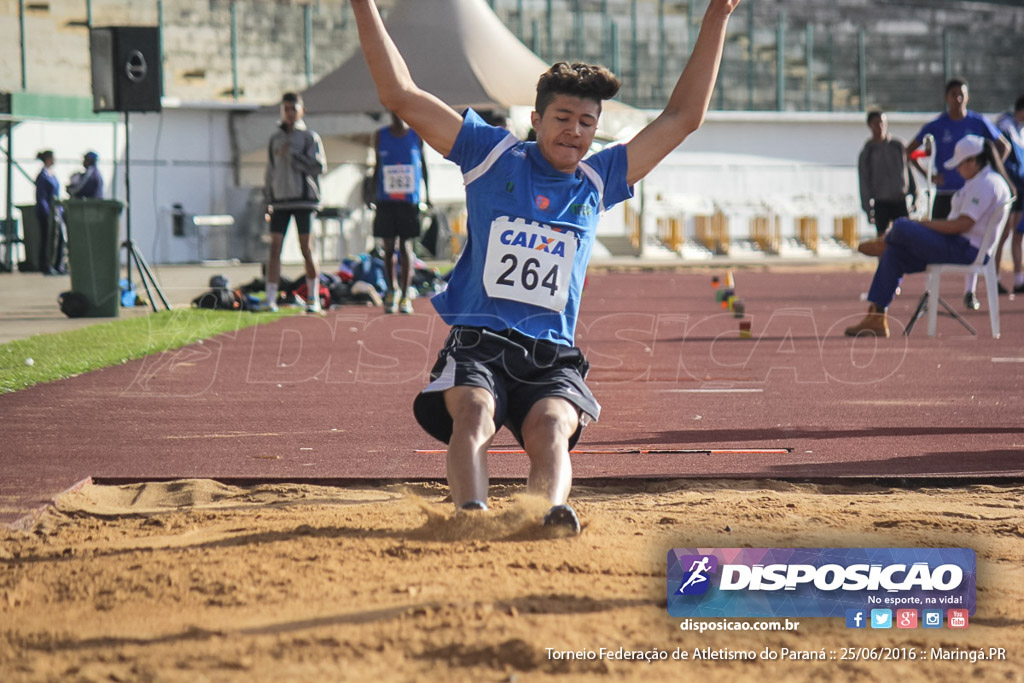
(328,399)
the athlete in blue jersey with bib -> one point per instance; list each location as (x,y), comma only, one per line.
(399,174)
(514,295)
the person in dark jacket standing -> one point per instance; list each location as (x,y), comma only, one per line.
(295,163)
(49,216)
(89,183)
(884,180)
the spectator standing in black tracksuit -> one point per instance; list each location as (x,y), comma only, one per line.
(884,178)
(295,162)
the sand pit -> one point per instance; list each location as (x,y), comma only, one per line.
(196,580)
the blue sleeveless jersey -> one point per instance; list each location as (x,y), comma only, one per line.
(947,133)
(530,233)
(401,167)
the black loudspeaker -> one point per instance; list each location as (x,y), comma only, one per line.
(126,70)
(5,108)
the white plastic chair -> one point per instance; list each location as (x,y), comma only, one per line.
(984,264)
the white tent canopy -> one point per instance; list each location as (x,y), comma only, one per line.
(459,50)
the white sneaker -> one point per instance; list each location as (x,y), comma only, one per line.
(268,307)
(314,306)
(406,305)
(391,301)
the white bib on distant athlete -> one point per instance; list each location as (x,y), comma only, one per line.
(399,179)
(529,262)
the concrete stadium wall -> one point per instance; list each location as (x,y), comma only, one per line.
(910,46)
(271,39)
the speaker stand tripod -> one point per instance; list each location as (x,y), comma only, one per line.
(131,251)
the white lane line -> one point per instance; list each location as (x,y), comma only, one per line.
(1008,360)
(709,391)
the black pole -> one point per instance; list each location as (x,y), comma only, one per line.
(131,251)
(128,194)
(9,233)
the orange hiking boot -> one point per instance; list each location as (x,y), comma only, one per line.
(873,247)
(874,324)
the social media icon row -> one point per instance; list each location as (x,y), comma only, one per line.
(905,618)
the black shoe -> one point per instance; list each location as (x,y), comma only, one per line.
(563,516)
(1001,289)
(473,506)
(971,301)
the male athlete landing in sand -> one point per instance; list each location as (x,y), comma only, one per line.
(514,295)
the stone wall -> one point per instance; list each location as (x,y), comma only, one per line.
(910,47)
(271,40)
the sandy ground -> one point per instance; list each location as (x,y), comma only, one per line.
(199,581)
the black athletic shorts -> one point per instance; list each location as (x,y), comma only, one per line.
(518,371)
(279,220)
(888,210)
(396,219)
(942,206)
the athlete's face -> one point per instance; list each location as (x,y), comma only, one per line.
(566,129)
(879,127)
(956,99)
(290,113)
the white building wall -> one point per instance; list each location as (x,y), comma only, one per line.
(178,156)
(184,156)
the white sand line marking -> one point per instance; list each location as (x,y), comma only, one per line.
(905,401)
(246,435)
(237,435)
(638,451)
(709,391)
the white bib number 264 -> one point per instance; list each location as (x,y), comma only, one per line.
(529,263)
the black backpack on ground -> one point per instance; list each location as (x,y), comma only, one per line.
(73,304)
(221,299)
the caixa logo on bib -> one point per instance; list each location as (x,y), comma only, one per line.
(816,582)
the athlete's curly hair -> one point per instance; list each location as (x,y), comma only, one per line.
(588,81)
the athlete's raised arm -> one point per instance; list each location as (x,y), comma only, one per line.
(433,120)
(690,98)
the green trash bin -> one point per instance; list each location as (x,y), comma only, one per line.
(30,237)
(94,247)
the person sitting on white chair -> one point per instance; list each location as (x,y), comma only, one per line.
(910,246)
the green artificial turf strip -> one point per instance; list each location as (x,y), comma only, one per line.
(58,356)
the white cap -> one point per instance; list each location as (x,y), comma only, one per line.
(968,147)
